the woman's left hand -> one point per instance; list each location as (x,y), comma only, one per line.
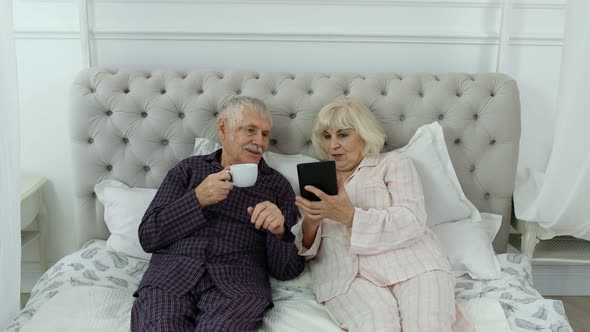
(338,207)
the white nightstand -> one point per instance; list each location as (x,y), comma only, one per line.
(34,215)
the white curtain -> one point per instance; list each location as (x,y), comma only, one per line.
(559,198)
(9,172)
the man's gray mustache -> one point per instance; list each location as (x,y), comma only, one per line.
(253,148)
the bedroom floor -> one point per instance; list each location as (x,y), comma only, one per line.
(24,297)
(576,308)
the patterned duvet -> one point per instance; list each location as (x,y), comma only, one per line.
(95,265)
(525,308)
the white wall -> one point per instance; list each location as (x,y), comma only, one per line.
(267,35)
(9,168)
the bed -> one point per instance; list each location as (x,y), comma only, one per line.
(129,127)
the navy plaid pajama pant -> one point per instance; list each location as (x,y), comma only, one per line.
(204,308)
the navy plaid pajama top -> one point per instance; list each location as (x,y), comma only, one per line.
(188,241)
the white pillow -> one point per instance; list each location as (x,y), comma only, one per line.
(468,246)
(285,164)
(124,208)
(204,146)
(443,195)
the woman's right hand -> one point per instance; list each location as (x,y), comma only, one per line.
(310,224)
(337,207)
(308,216)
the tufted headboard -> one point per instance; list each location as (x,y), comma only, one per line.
(134,125)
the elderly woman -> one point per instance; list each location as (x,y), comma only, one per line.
(375,264)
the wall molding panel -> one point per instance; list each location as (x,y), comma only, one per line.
(416,38)
(557,5)
(535,23)
(57,38)
(537,40)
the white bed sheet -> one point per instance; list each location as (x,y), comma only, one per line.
(93,308)
(110,278)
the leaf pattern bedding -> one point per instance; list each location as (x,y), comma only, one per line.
(96,265)
(525,308)
(93,265)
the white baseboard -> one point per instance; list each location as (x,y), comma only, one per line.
(562,280)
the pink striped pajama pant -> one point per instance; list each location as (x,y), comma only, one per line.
(424,303)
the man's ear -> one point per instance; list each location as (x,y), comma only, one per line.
(221,128)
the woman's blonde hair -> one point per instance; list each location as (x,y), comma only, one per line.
(349,113)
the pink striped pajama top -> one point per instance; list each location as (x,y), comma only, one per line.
(389,241)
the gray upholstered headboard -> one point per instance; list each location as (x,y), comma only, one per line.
(135,125)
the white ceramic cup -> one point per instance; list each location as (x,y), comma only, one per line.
(243,175)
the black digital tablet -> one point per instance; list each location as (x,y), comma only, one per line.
(321,174)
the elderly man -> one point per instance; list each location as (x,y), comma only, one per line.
(214,244)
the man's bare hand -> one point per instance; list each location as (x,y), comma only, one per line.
(214,188)
(268,216)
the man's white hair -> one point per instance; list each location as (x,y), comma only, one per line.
(233,110)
